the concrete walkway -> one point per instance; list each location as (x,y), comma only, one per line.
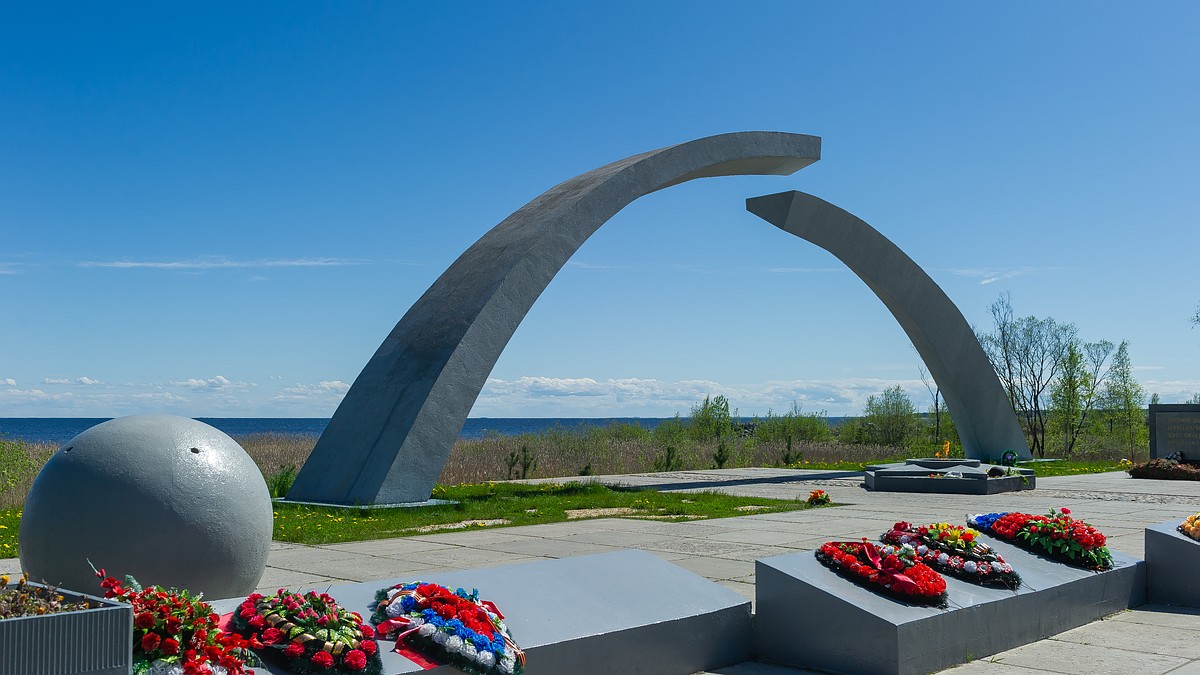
(1149,639)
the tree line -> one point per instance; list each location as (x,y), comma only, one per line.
(1067,392)
(1071,395)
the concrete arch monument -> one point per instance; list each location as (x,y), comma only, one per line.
(978,404)
(391,436)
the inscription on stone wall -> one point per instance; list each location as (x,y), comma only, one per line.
(1175,428)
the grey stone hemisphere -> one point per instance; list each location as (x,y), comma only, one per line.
(392,434)
(167,499)
(978,404)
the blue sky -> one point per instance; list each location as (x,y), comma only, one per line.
(221,209)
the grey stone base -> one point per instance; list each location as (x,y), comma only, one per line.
(930,476)
(622,612)
(1172,563)
(810,617)
(398,505)
(92,641)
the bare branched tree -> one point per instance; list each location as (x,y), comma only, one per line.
(1027,354)
(1076,392)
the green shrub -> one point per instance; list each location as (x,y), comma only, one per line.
(721,456)
(710,419)
(281,481)
(793,425)
(527,461)
(668,461)
(16,464)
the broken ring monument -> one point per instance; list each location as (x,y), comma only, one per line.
(392,434)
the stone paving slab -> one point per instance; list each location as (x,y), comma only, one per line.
(1118,505)
(1061,656)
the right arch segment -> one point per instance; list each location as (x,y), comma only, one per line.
(978,405)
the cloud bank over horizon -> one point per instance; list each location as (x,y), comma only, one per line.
(529,396)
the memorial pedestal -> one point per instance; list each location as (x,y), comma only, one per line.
(946,476)
(622,612)
(808,616)
(1172,561)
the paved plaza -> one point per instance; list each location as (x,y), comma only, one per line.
(1149,639)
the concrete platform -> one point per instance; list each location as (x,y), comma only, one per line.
(945,476)
(1148,640)
(623,612)
(810,617)
(1172,566)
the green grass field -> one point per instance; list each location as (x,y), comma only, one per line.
(622,449)
(502,504)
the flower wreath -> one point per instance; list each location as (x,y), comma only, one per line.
(309,633)
(893,569)
(817,498)
(455,626)
(175,632)
(955,550)
(1056,535)
(1191,526)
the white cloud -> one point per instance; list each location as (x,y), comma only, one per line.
(218,263)
(990,275)
(794,270)
(85,380)
(587,266)
(55,380)
(641,397)
(19,396)
(9,382)
(323,391)
(1171,391)
(218,383)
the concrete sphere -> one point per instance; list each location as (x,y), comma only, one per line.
(170,500)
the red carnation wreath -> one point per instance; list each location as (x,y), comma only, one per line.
(894,571)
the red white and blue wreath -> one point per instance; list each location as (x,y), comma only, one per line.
(453,626)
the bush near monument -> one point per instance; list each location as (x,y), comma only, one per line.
(1165,469)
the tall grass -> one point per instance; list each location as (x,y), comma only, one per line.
(674,445)
(19,465)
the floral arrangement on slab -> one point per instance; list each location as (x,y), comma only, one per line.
(955,550)
(26,599)
(1191,526)
(1164,468)
(1056,534)
(309,633)
(895,570)
(817,498)
(175,633)
(455,626)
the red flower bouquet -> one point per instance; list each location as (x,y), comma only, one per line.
(1056,535)
(954,550)
(309,633)
(894,570)
(817,498)
(454,626)
(176,633)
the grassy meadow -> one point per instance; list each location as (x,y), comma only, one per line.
(477,469)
